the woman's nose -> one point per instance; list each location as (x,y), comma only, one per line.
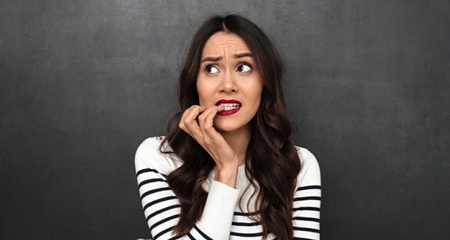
(228,83)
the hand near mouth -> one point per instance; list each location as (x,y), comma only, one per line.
(197,121)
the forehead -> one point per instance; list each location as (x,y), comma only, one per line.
(221,42)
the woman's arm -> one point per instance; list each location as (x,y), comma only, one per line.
(198,122)
(161,206)
(307,199)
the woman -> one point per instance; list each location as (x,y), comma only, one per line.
(227,168)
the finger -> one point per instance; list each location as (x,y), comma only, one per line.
(209,118)
(201,123)
(182,124)
(185,117)
(202,118)
(194,109)
(190,122)
(208,126)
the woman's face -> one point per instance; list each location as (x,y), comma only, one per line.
(228,77)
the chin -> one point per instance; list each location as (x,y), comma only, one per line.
(228,128)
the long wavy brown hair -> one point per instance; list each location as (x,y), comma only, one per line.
(272,161)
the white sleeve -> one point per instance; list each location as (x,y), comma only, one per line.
(161,206)
(219,208)
(307,198)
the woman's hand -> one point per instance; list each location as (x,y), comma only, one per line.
(198,121)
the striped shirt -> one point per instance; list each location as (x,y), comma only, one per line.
(222,216)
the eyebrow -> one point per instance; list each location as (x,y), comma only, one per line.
(242,55)
(215,59)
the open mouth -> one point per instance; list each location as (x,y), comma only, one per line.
(229,107)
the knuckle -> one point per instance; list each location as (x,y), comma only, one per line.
(201,117)
(181,125)
(207,142)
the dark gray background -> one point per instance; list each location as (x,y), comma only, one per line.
(84,82)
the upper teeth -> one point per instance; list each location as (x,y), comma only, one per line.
(229,106)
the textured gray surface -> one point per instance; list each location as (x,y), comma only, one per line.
(83,83)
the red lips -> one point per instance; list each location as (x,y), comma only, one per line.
(230,106)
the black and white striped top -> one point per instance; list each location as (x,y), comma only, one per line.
(222,217)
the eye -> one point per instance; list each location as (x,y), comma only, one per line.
(245,67)
(211,69)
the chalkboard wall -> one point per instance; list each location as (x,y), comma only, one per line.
(83,83)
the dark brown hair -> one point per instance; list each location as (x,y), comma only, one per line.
(272,161)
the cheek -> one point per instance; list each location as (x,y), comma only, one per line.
(258,101)
(255,100)
(258,94)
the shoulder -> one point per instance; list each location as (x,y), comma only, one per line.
(149,156)
(310,170)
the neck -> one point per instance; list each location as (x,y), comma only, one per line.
(238,141)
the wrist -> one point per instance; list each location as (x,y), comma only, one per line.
(227,176)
